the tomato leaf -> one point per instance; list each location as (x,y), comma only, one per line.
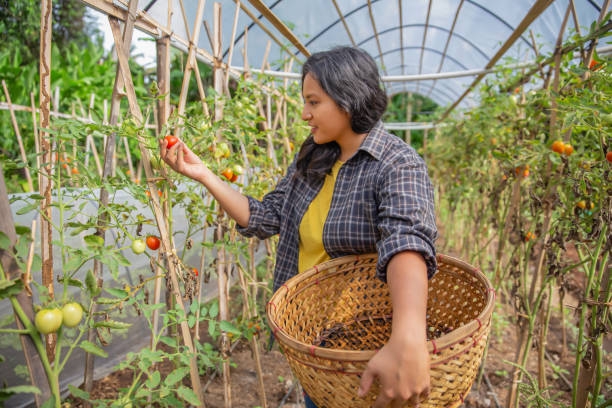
(229,327)
(10,288)
(214,310)
(188,395)
(118,293)
(112,324)
(93,349)
(77,392)
(176,376)
(169,341)
(153,380)
(92,284)
(94,241)
(5,242)
(191,321)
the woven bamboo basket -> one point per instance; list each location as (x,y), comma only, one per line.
(331,319)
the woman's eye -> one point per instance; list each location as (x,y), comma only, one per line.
(313,102)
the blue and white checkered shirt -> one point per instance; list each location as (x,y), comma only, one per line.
(382,202)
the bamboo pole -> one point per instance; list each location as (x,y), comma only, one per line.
(189,65)
(231,47)
(110,160)
(221,220)
(46,184)
(18,134)
(161,223)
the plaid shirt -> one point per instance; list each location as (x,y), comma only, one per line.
(382,202)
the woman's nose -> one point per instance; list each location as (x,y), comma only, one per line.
(305,114)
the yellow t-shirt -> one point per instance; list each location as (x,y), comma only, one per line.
(312,251)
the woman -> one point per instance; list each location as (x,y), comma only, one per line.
(352,188)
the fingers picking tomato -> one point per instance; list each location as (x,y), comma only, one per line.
(153,242)
(171,140)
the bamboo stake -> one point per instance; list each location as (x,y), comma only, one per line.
(200,279)
(231,48)
(161,223)
(254,342)
(189,66)
(156,296)
(110,161)
(18,134)
(46,184)
(221,267)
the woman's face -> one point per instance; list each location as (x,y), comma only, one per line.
(327,121)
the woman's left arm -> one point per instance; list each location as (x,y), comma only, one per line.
(402,365)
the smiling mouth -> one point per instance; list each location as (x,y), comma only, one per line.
(313,129)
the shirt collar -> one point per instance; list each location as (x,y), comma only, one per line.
(374,143)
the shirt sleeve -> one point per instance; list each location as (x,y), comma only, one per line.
(406,214)
(265,215)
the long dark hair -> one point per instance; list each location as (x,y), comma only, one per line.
(350,77)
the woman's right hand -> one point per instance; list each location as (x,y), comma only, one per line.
(182,160)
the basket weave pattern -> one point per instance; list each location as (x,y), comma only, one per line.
(331,319)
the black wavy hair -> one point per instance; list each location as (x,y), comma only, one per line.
(350,77)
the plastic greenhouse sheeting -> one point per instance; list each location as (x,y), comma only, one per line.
(481,28)
(13,370)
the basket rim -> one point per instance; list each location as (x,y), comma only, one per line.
(433,346)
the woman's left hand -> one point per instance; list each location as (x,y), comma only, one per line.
(402,368)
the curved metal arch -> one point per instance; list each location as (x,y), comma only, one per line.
(440,102)
(450,92)
(426,49)
(249,27)
(441,94)
(431,26)
(374,1)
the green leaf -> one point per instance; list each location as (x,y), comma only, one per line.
(228,327)
(93,349)
(5,242)
(188,395)
(92,284)
(214,310)
(50,403)
(153,380)
(211,327)
(176,376)
(168,341)
(112,324)
(119,293)
(10,288)
(191,321)
(94,241)
(107,301)
(27,208)
(77,392)
(22,389)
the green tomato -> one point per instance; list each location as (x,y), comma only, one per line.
(48,320)
(238,169)
(138,246)
(72,313)
(224,149)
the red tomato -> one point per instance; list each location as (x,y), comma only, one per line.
(234,178)
(558,146)
(228,174)
(171,140)
(609,156)
(75,170)
(594,64)
(568,149)
(195,271)
(153,242)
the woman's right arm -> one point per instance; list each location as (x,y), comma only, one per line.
(182,160)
